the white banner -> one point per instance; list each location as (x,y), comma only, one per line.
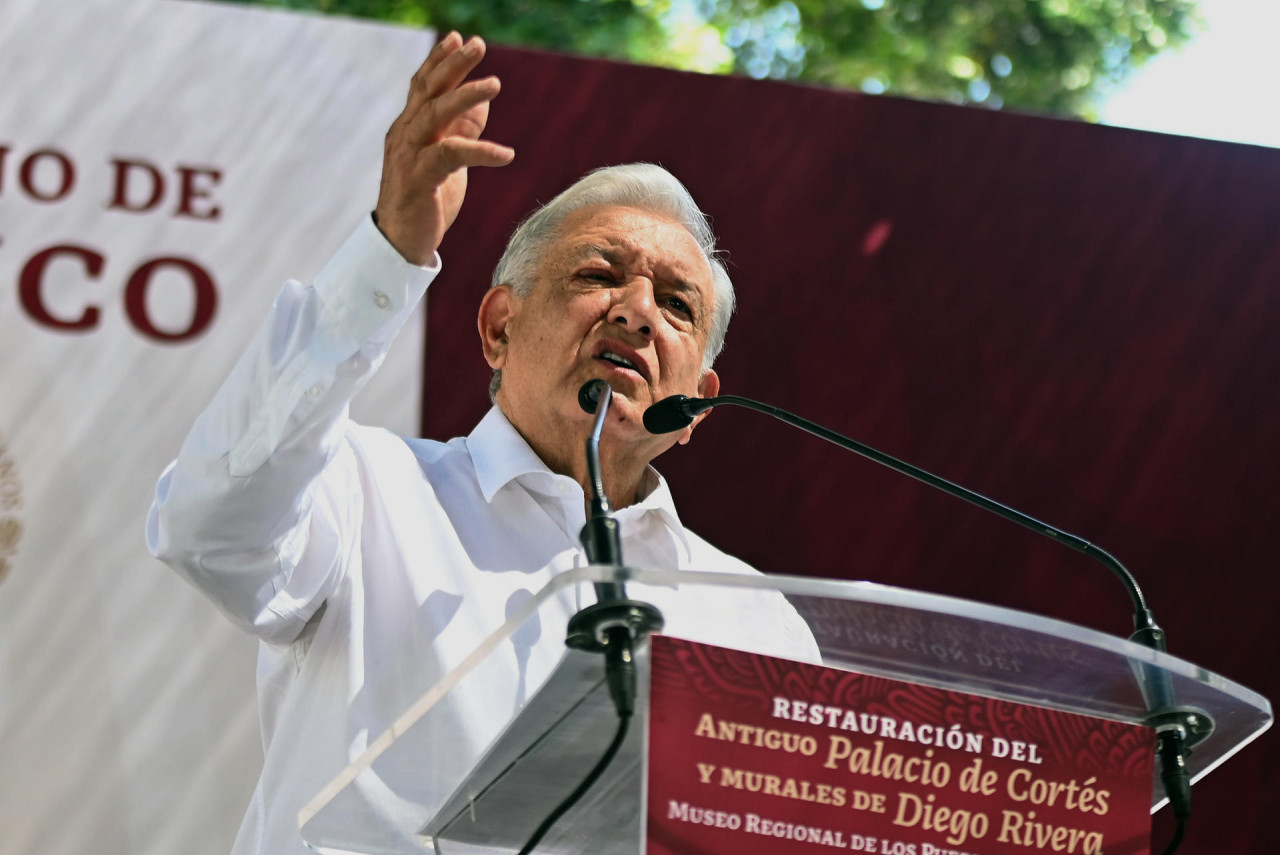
(164,167)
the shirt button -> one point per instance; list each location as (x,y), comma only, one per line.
(314,391)
(381,300)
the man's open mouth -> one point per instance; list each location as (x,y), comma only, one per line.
(617,359)
(619,355)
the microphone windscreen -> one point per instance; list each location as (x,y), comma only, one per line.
(589,394)
(669,414)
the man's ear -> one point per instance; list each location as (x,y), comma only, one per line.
(494,319)
(708,387)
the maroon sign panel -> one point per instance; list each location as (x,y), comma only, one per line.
(1075,320)
(813,759)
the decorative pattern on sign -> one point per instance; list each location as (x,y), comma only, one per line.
(736,679)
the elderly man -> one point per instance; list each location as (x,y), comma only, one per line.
(370,565)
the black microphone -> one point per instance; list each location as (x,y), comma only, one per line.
(675,413)
(678,412)
(589,395)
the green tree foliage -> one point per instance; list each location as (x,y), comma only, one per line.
(1054,56)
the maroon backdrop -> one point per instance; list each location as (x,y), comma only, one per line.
(1069,318)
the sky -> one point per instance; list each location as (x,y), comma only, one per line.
(1220,86)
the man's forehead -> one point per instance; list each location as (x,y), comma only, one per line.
(622,235)
(576,251)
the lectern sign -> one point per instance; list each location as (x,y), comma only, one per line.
(752,753)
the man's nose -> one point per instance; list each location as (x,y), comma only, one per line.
(634,307)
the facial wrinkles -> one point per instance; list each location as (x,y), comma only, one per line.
(666,278)
(624,246)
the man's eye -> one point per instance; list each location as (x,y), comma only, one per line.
(679,305)
(597,276)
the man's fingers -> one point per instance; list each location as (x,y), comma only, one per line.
(452,68)
(430,145)
(438,53)
(439,116)
(454,153)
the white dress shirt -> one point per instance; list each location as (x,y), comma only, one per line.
(370,565)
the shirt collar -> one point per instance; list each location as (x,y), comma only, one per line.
(500,455)
(660,500)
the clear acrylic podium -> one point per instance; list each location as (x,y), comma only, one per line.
(425,787)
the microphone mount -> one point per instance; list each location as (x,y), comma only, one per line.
(614,623)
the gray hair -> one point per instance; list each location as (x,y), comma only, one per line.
(635,185)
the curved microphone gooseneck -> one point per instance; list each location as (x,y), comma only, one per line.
(1177,728)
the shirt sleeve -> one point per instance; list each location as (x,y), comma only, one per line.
(261,510)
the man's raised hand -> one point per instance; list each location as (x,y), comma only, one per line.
(431,144)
